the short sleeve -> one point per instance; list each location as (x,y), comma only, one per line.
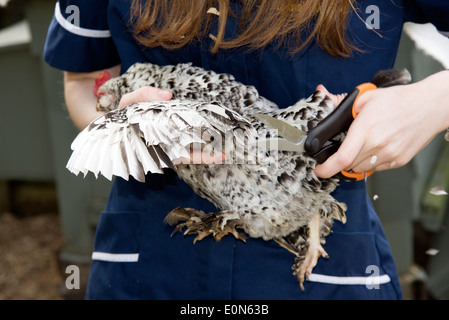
(78,38)
(425,11)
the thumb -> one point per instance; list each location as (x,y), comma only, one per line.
(145,94)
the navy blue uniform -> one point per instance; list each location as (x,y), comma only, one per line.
(134,256)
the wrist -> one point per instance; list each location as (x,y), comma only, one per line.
(434,92)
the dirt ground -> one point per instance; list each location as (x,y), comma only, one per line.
(28,257)
(30,241)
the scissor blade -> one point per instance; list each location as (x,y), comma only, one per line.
(280,144)
(285,130)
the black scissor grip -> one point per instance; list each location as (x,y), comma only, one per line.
(335,123)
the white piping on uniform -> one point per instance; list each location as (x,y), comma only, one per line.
(370,280)
(83,32)
(115,257)
(321,278)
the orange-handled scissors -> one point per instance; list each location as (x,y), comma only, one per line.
(337,122)
(318,143)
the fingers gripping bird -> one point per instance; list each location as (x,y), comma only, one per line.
(273,195)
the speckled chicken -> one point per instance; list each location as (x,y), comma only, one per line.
(273,195)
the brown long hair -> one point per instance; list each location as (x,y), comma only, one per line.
(173,24)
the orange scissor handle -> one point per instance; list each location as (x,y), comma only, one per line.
(364,87)
(357,176)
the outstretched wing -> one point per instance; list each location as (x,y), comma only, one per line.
(149,136)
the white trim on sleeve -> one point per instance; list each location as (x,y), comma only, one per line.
(115,257)
(72,28)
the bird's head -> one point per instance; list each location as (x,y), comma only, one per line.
(106,99)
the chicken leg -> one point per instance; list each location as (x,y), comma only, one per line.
(304,264)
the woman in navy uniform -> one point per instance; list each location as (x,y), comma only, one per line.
(135,256)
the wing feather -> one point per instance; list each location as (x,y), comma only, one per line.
(147,137)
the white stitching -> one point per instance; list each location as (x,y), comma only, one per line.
(370,280)
(115,257)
